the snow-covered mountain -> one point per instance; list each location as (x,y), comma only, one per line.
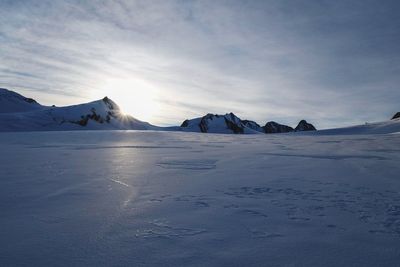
(304,126)
(19,113)
(214,123)
(253,125)
(230,123)
(13,102)
(274,127)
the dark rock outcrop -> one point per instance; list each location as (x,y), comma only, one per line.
(396,116)
(94,116)
(185,123)
(274,127)
(110,104)
(214,123)
(30,100)
(304,126)
(237,128)
(203,125)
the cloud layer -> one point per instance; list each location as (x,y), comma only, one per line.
(334,63)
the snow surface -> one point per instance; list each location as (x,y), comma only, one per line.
(133,198)
(384,127)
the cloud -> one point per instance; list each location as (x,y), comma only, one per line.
(333,63)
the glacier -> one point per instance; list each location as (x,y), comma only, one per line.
(150,198)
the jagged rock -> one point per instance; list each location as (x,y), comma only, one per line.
(30,100)
(185,123)
(203,125)
(274,127)
(396,116)
(214,123)
(94,116)
(229,123)
(304,126)
(111,104)
(237,129)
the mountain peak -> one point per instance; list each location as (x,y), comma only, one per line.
(5,93)
(274,127)
(11,101)
(396,116)
(110,104)
(304,126)
(22,113)
(215,123)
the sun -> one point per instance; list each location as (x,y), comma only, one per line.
(133,96)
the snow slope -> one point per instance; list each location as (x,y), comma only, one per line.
(103,114)
(132,198)
(13,102)
(384,127)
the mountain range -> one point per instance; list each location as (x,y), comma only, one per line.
(19,113)
(230,123)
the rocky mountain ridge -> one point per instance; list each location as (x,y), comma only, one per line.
(230,123)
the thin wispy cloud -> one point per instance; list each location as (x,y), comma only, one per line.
(334,63)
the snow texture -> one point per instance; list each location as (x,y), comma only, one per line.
(384,127)
(152,198)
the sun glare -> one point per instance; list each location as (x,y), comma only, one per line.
(134,97)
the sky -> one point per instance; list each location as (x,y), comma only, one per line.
(334,63)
